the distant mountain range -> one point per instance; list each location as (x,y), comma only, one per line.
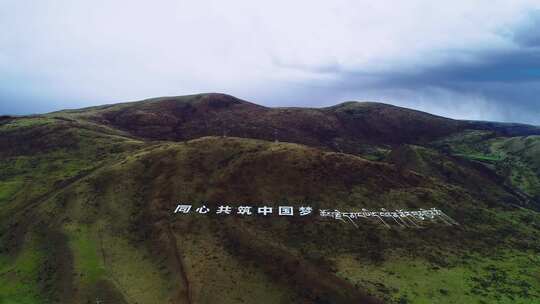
(88,196)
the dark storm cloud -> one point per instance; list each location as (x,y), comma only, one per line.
(529,34)
(498,74)
(508,81)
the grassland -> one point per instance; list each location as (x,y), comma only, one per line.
(86,212)
(516,159)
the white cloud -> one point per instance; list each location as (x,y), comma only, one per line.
(104,51)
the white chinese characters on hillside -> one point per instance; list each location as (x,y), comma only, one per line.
(244,210)
(397,218)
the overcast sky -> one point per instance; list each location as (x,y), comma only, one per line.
(462,59)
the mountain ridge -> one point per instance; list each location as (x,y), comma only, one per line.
(186,117)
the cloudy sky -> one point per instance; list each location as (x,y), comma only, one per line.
(463,59)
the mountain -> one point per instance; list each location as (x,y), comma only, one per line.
(88,197)
(187,117)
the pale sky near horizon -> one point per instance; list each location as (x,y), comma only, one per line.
(462,59)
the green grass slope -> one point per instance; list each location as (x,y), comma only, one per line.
(115,239)
(87,197)
(515,159)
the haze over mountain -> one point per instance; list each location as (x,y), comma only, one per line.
(88,196)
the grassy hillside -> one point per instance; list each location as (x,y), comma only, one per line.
(194,116)
(515,159)
(87,209)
